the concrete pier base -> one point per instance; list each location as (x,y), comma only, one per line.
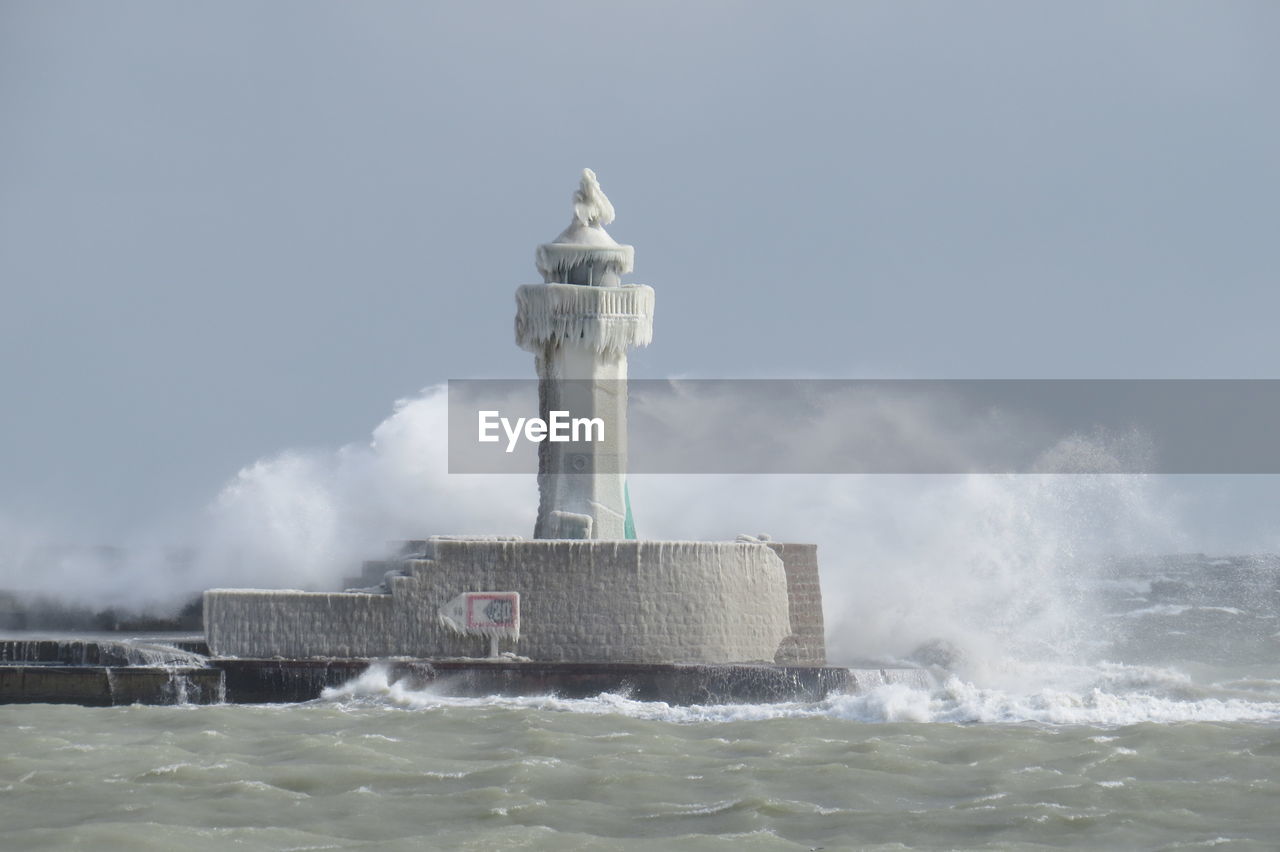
(256,681)
(107,686)
(54,677)
(581,601)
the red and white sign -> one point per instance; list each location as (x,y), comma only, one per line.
(493,614)
(493,611)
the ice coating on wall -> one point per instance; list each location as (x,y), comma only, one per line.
(581,601)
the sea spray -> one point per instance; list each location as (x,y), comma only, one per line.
(996,567)
(300,518)
(1100,705)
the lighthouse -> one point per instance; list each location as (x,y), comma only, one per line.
(579,324)
(578,592)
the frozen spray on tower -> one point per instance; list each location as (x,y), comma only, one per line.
(596,599)
(579,324)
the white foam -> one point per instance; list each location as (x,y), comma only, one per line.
(1112,703)
(1179,609)
(1159,609)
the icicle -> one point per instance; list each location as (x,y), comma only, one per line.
(556,261)
(604,319)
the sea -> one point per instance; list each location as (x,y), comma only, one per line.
(1157,728)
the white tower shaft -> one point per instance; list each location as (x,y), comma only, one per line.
(579,325)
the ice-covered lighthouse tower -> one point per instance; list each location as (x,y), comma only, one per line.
(598,600)
(579,324)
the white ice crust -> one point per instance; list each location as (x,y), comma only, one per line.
(591,206)
(585,242)
(601,319)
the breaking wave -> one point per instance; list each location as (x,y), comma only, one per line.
(1119,696)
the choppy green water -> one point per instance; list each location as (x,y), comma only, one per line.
(492,775)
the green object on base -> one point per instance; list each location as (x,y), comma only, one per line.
(629,526)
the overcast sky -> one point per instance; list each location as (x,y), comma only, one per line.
(228,229)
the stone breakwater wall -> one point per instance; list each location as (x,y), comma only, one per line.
(807,644)
(580,601)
